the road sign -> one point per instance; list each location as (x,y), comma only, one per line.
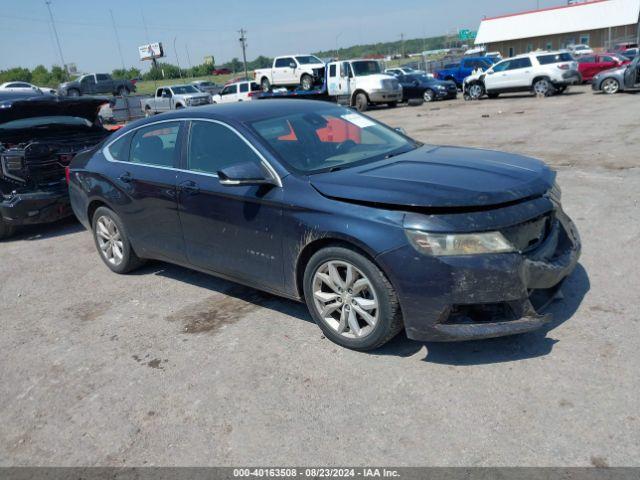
(466,34)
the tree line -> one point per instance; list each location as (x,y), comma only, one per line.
(42,76)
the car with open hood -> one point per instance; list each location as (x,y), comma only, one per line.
(38,138)
(375,231)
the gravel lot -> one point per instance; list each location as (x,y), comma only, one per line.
(171,367)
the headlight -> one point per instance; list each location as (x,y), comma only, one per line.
(189,101)
(441,87)
(12,166)
(439,244)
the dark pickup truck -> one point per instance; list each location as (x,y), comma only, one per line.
(38,138)
(96,84)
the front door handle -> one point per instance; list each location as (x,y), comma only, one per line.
(189,187)
(125,177)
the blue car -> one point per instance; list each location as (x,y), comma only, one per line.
(376,232)
(458,71)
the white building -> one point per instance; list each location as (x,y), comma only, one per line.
(599,23)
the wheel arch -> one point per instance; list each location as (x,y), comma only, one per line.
(540,77)
(355,94)
(314,246)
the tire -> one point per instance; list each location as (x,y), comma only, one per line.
(179,106)
(493,95)
(73,92)
(475,91)
(361,102)
(429,95)
(147,111)
(6,230)
(386,314)
(306,82)
(106,238)
(123,91)
(265,85)
(543,87)
(610,86)
(392,104)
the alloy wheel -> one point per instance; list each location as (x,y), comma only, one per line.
(427,96)
(307,82)
(345,299)
(610,86)
(475,91)
(542,87)
(109,240)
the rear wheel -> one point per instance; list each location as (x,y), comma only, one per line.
(428,95)
(610,86)
(361,102)
(73,92)
(112,242)
(123,91)
(6,230)
(265,85)
(542,87)
(306,82)
(350,299)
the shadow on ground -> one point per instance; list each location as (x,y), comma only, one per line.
(504,349)
(62,227)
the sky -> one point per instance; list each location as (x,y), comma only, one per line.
(199,28)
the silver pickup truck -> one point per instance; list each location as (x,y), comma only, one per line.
(173,98)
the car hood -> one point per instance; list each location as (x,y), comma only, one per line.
(615,71)
(47,105)
(440,177)
(193,95)
(434,83)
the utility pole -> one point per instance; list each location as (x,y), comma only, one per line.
(186,47)
(402,43)
(243,42)
(177,59)
(55,32)
(115,30)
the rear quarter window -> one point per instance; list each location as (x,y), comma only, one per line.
(554,58)
(119,150)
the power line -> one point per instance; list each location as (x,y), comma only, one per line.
(55,32)
(115,30)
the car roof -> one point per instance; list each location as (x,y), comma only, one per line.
(239,112)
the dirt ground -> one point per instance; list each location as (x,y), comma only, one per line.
(172,367)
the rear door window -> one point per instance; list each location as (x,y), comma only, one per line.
(244,87)
(155,145)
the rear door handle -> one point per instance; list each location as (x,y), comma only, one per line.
(189,187)
(126,177)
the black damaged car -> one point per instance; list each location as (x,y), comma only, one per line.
(38,138)
(420,86)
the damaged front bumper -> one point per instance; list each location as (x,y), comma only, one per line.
(40,206)
(482,296)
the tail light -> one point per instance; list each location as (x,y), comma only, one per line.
(563,66)
(66,174)
(252,94)
(435,74)
(134,81)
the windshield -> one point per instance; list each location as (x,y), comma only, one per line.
(45,121)
(329,138)
(421,77)
(182,89)
(365,67)
(307,59)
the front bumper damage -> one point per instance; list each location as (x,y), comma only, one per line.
(482,296)
(44,205)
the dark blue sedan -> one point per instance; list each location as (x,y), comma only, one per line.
(376,232)
(419,86)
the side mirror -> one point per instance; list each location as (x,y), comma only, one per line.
(401,131)
(292,65)
(416,83)
(490,72)
(245,173)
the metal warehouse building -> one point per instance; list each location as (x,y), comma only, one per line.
(598,23)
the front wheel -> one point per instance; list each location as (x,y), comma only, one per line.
(147,111)
(112,242)
(361,102)
(6,230)
(123,91)
(428,95)
(351,299)
(306,82)
(610,86)
(475,91)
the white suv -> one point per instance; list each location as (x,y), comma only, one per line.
(237,92)
(543,73)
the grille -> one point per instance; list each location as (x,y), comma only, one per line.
(527,236)
(391,84)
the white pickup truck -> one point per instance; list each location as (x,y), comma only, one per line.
(291,71)
(174,97)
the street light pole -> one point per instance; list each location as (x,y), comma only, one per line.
(177,59)
(55,32)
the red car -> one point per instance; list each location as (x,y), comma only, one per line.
(591,65)
(221,71)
